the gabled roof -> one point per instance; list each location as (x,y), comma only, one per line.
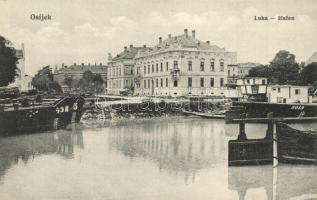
(129,53)
(183,41)
(186,41)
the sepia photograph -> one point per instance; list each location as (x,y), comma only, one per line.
(158,100)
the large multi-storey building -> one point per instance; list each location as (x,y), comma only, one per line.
(182,65)
(120,70)
(76,72)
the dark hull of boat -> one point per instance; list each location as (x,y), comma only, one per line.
(250,152)
(295,146)
(41,118)
(261,109)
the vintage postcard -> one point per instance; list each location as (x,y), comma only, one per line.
(158,99)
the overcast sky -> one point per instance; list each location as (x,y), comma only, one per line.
(87,30)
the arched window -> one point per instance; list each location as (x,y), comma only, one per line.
(222,65)
(212,65)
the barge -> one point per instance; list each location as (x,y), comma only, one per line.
(18,119)
(287,145)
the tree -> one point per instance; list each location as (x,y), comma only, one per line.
(98,82)
(91,82)
(44,81)
(8,62)
(54,87)
(308,75)
(261,71)
(68,81)
(86,82)
(284,68)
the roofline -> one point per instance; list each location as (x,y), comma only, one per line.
(188,50)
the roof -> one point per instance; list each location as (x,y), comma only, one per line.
(129,53)
(183,41)
(82,68)
(248,65)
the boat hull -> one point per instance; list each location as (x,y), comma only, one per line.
(295,146)
(261,109)
(41,118)
(250,152)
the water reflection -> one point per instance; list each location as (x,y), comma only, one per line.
(150,159)
(283,182)
(25,148)
(179,148)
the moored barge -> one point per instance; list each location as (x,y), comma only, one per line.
(292,146)
(16,119)
(261,109)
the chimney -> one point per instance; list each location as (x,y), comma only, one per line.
(144,45)
(208,42)
(125,48)
(74,64)
(100,64)
(186,32)
(193,33)
(131,45)
(169,36)
(95,64)
(88,64)
(109,56)
(160,39)
(82,64)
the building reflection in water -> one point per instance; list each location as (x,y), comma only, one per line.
(283,182)
(26,148)
(178,148)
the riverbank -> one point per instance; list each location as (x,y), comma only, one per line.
(141,107)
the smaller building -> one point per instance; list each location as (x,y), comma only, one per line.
(76,72)
(232,76)
(22,81)
(288,94)
(244,68)
(253,88)
(252,85)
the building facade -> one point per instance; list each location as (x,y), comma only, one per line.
(288,94)
(253,88)
(182,65)
(244,68)
(121,70)
(76,72)
(22,81)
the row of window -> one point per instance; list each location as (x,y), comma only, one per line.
(160,83)
(117,71)
(117,83)
(159,67)
(297,91)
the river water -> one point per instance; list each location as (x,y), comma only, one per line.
(164,158)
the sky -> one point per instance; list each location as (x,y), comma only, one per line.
(87,30)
